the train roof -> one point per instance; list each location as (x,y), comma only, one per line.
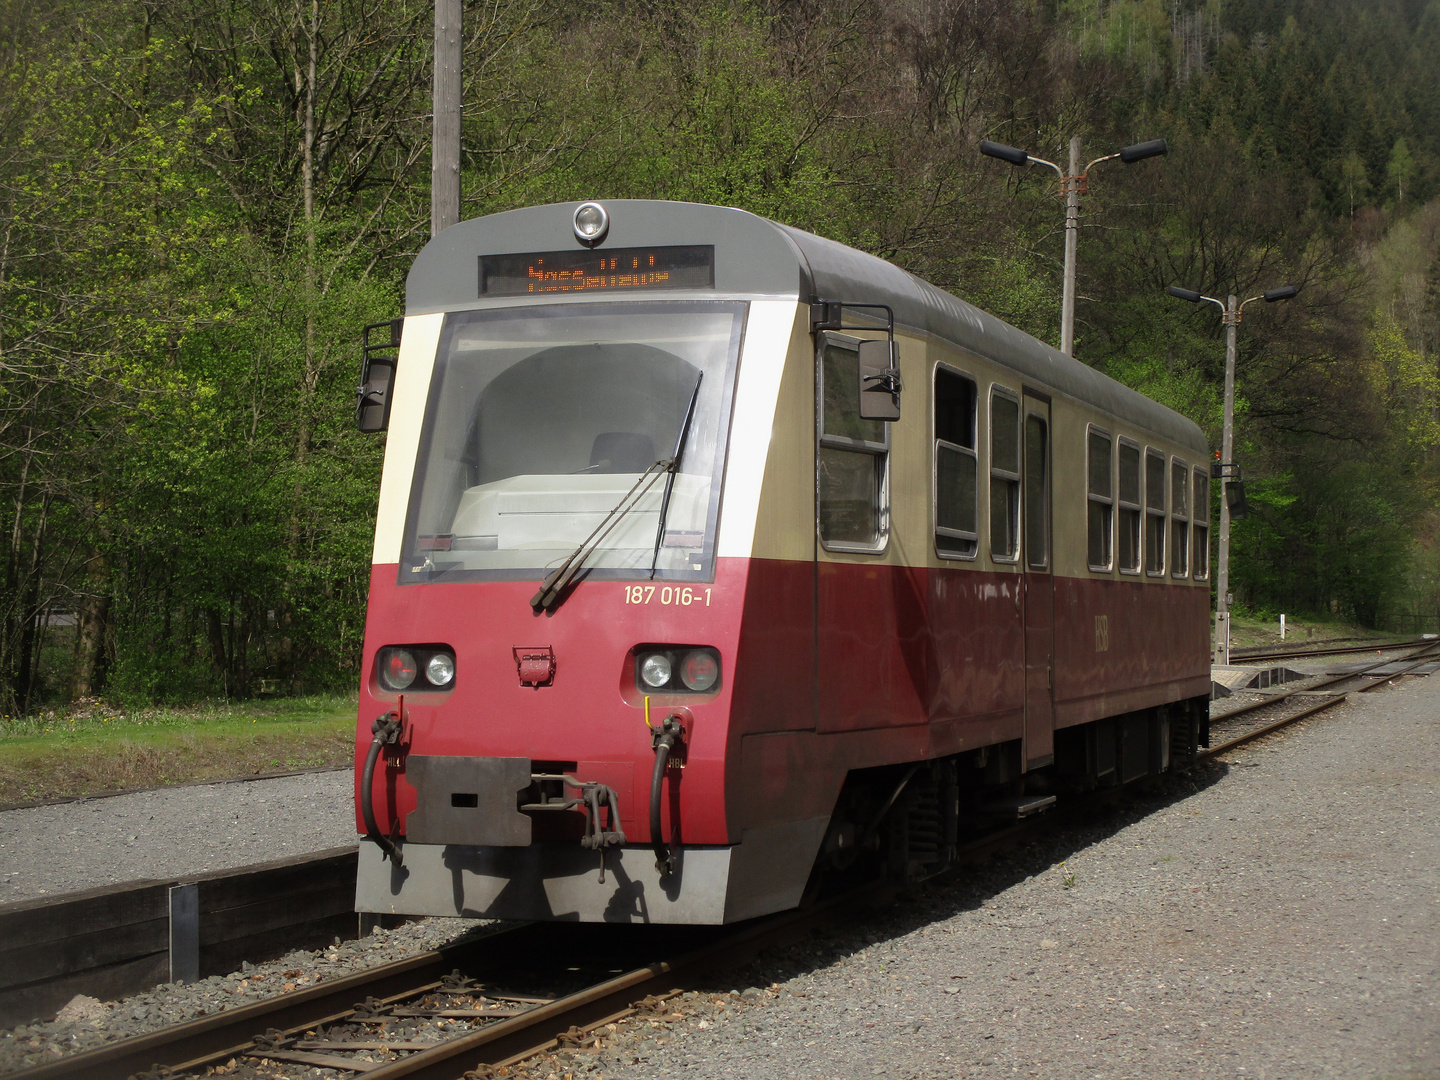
(757,257)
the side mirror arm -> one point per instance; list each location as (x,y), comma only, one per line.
(876,377)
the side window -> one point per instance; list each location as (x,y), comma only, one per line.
(851,458)
(1004,476)
(1101,513)
(956,470)
(1154,512)
(1128,539)
(1179,519)
(1200,526)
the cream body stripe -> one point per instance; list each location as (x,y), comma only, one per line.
(407,413)
(762,363)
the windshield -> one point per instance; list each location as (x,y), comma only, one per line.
(541,420)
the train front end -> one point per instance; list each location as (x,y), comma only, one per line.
(560,567)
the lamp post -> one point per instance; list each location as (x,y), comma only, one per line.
(1232,313)
(1072,186)
(445,122)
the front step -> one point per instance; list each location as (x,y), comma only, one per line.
(1018,806)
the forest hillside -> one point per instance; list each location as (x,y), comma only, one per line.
(202,203)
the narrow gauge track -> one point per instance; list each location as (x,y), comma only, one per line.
(320,1026)
(399,1012)
(1283,653)
(1233,722)
(400,1004)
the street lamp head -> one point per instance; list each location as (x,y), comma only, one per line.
(1285,292)
(1141,151)
(1184,294)
(1004,153)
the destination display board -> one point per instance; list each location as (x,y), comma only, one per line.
(620,269)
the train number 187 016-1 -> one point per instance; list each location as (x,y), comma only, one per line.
(673,595)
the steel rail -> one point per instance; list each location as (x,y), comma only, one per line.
(1260,732)
(539,1030)
(1286,721)
(1395,675)
(1269,653)
(231,1033)
(500,1046)
(209,1040)
(1332,680)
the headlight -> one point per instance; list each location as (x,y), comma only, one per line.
(591,223)
(676,669)
(397,669)
(655,670)
(440,669)
(699,670)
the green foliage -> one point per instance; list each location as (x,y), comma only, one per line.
(202,204)
(184,480)
(1409,388)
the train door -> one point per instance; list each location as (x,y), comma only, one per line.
(867,613)
(1037,563)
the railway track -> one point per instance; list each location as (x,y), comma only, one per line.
(1250,722)
(462,1011)
(1282,653)
(422,1018)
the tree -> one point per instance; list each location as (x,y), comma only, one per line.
(1401,168)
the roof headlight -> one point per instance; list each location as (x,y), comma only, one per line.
(655,670)
(591,223)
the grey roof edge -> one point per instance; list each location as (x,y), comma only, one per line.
(757,256)
(839,272)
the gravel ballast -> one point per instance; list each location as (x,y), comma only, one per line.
(1280,918)
(86,1023)
(171,832)
(1276,916)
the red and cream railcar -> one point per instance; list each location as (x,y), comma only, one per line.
(641,560)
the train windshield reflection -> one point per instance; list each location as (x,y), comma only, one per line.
(540,419)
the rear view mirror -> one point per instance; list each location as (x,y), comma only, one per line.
(377,376)
(879,380)
(1235,499)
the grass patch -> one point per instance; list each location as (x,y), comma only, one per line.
(94,747)
(1248,630)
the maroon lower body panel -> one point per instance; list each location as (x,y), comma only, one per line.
(913,662)
(826,668)
(1126,645)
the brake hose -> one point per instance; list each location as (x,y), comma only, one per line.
(670,734)
(384,731)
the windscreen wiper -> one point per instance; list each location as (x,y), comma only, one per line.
(553,587)
(670,473)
